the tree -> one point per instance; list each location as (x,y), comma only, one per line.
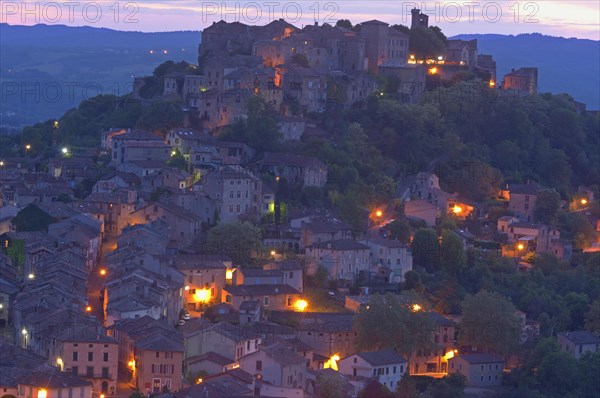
(592,318)
(546,206)
(425,43)
(237,240)
(344,23)
(137,394)
(399,229)
(452,252)
(328,386)
(32,218)
(161,117)
(489,323)
(374,389)
(401,28)
(426,249)
(406,388)
(391,321)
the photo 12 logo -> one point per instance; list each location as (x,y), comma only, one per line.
(471,11)
(51,12)
(262,13)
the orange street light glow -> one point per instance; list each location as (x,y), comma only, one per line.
(492,84)
(102,272)
(88,309)
(433,70)
(520,246)
(301,305)
(584,201)
(42,393)
(449,354)
(332,362)
(457,209)
(273,252)
(416,308)
(379,213)
(202,295)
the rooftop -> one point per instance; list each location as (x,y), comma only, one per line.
(581,337)
(379,358)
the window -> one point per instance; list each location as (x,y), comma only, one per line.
(266,300)
(394,370)
(90,356)
(258,365)
(105,373)
(75,370)
(90,371)
(355,360)
(105,356)
(157,354)
(75,356)
(387,370)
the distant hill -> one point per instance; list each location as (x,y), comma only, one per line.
(64,65)
(565,65)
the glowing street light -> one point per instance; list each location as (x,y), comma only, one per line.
(24,332)
(103,272)
(273,253)
(457,209)
(27,147)
(301,305)
(55,124)
(202,295)
(416,308)
(378,213)
(584,201)
(42,393)
(65,150)
(433,70)
(88,309)
(492,84)
(31,276)
(332,362)
(520,246)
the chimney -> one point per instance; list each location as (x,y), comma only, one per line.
(316,23)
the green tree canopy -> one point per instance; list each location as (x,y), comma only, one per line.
(546,206)
(489,323)
(238,240)
(390,321)
(426,249)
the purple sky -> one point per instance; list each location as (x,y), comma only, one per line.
(578,18)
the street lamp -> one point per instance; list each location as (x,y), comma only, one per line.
(378,213)
(65,150)
(584,201)
(31,276)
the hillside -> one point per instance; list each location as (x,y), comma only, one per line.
(565,65)
(73,63)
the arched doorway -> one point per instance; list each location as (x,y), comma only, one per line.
(104,387)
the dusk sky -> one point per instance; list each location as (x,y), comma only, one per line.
(557,18)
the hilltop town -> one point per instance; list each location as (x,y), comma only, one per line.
(293,217)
